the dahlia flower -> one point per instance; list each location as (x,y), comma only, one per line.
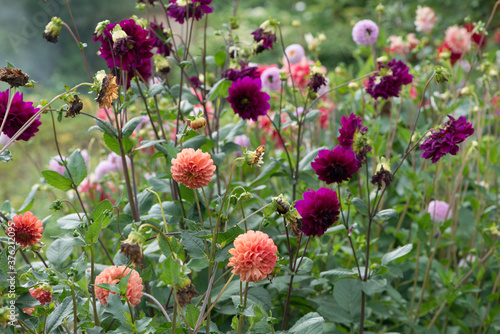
(157,33)
(234,74)
(446,139)
(247,99)
(254,256)
(181,10)
(265,36)
(457,39)
(112,275)
(271,79)
(389,79)
(242,140)
(440,211)
(365,32)
(425,19)
(194,169)
(352,137)
(27,229)
(43,293)
(19,114)
(319,210)
(335,166)
(294,53)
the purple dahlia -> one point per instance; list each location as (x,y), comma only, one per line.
(265,38)
(446,139)
(247,99)
(160,38)
(19,114)
(319,210)
(234,74)
(389,79)
(352,137)
(131,51)
(181,10)
(335,166)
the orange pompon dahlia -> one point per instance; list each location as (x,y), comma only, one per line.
(194,169)
(113,275)
(27,229)
(254,256)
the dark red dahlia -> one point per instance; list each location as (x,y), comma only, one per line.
(389,79)
(446,139)
(181,10)
(19,114)
(130,53)
(454,57)
(247,99)
(476,38)
(245,71)
(335,166)
(160,39)
(265,38)
(319,210)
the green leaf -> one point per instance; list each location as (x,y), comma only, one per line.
(220,58)
(61,312)
(148,143)
(270,168)
(5,156)
(194,245)
(360,206)
(347,293)
(195,142)
(93,232)
(106,127)
(57,180)
(110,287)
(192,314)
(311,116)
(170,271)
(311,323)
(219,89)
(155,90)
(305,163)
(373,286)
(227,237)
(131,125)
(395,254)
(77,168)
(58,252)
(305,266)
(70,221)
(100,209)
(28,202)
(337,273)
(114,145)
(144,202)
(386,214)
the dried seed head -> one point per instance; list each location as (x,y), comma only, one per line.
(75,106)
(108,92)
(185,294)
(13,76)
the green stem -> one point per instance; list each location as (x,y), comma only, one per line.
(92,279)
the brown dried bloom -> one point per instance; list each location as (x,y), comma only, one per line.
(108,92)
(185,294)
(75,106)
(132,248)
(13,76)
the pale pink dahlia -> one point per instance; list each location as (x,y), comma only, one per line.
(440,211)
(426,19)
(254,256)
(194,169)
(113,275)
(457,39)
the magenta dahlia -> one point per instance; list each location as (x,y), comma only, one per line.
(265,39)
(19,114)
(335,166)
(389,79)
(319,210)
(247,99)
(446,139)
(127,47)
(181,10)
(234,74)
(349,128)
(160,38)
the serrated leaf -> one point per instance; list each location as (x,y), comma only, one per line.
(193,245)
(347,293)
(395,254)
(170,271)
(311,323)
(373,286)
(100,209)
(106,127)
(61,312)
(57,180)
(131,125)
(92,234)
(192,314)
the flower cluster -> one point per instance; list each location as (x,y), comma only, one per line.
(17,115)
(389,79)
(194,169)
(446,139)
(319,210)
(112,275)
(247,99)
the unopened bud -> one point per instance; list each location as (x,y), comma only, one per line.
(197,123)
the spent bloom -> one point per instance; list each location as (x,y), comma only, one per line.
(254,256)
(53,30)
(319,210)
(335,166)
(265,36)
(113,275)
(446,138)
(295,53)
(365,32)
(271,79)
(15,77)
(43,293)
(194,169)
(439,210)
(27,229)
(457,39)
(19,114)
(425,19)
(181,10)
(389,79)
(247,99)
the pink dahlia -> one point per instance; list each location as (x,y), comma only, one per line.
(440,211)
(27,229)
(295,53)
(319,210)
(43,294)
(113,275)
(426,19)
(19,114)
(457,39)
(271,79)
(194,169)
(365,32)
(254,256)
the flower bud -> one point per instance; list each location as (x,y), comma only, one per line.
(53,30)
(197,123)
(380,8)
(442,74)
(118,33)
(101,26)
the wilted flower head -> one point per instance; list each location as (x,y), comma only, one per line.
(19,114)
(27,229)
(265,36)
(14,76)
(186,293)
(194,169)
(440,211)
(317,79)
(335,166)
(365,32)
(446,139)
(247,99)
(181,10)
(426,19)
(271,79)
(254,256)
(108,92)
(382,173)
(319,210)
(132,248)
(112,275)
(389,79)
(457,39)
(43,293)
(75,105)
(294,53)
(53,30)
(254,157)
